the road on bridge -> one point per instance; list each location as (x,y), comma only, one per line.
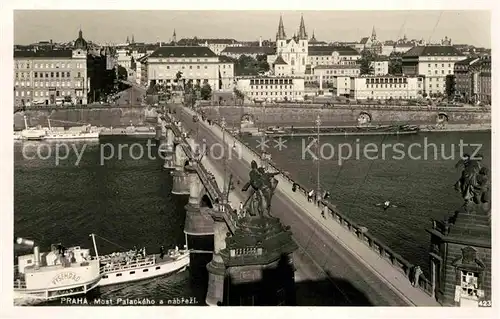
(320,258)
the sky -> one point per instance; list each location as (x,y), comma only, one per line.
(463,27)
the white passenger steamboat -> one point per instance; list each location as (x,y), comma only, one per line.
(134,265)
(46,276)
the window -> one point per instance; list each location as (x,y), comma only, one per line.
(57,74)
(36,93)
(104,276)
(67,74)
(35,74)
(158,268)
(79,74)
(469,283)
(132,272)
(51,74)
(145,270)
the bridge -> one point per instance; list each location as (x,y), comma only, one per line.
(333,249)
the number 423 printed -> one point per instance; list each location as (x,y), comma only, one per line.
(485,303)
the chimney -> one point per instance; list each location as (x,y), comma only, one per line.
(36,253)
(50,41)
(260,41)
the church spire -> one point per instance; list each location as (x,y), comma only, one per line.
(174,37)
(302,29)
(133,41)
(128,41)
(374,34)
(281,30)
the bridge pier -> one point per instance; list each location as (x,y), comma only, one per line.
(197,223)
(181,179)
(216,268)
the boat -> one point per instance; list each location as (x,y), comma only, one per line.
(86,132)
(46,276)
(31,133)
(122,267)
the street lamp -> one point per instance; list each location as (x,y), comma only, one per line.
(223,125)
(318,124)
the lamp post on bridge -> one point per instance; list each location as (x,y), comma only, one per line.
(223,125)
(318,155)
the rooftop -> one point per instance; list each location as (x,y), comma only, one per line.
(44,54)
(249,50)
(328,50)
(338,66)
(183,51)
(432,51)
(280,61)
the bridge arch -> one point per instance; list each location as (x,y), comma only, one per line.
(206,201)
(442,118)
(364,118)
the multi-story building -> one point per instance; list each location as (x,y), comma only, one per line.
(386,87)
(328,73)
(272,88)
(481,80)
(328,55)
(294,51)
(51,76)
(295,55)
(433,63)
(342,86)
(463,78)
(196,63)
(380,66)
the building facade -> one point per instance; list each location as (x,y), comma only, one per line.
(329,73)
(272,88)
(236,52)
(380,67)
(50,77)
(463,78)
(433,63)
(386,87)
(293,51)
(481,80)
(196,63)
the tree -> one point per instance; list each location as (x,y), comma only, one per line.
(367,57)
(122,73)
(239,95)
(206,91)
(450,85)
(395,63)
(262,64)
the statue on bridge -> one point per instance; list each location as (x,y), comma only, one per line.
(263,184)
(473,184)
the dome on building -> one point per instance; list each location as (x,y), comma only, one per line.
(80,43)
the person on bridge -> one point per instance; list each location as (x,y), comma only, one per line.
(310,195)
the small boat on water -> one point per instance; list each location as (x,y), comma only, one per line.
(122,267)
(85,132)
(45,276)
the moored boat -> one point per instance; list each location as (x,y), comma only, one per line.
(46,276)
(122,267)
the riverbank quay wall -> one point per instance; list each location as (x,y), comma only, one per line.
(98,116)
(348,115)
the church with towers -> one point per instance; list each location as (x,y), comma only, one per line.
(291,55)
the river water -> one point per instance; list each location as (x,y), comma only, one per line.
(419,179)
(128,200)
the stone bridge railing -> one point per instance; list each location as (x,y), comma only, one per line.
(210,184)
(393,258)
